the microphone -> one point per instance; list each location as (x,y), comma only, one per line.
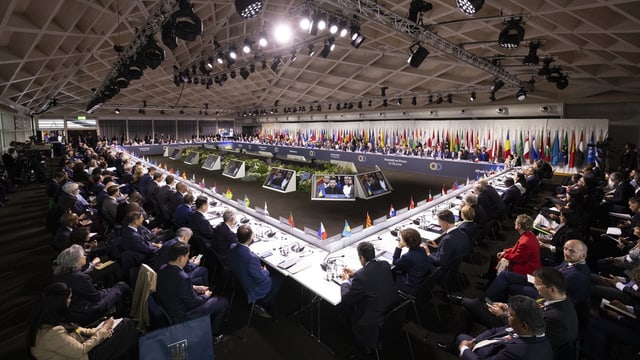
(325,261)
(244,220)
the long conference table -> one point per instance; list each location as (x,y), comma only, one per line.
(299,255)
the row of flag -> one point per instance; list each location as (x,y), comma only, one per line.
(562,147)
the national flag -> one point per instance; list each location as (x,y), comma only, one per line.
(392,211)
(580,150)
(555,158)
(507,146)
(520,146)
(547,148)
(572,150)
(411,204)
(430,198)
(467,183)
(367,222)
(534,147)
(444,190)
(214,188)
(184,175)
(526,147)
(322,232)
(247,202)
(193,177)
(266,209)
(291,223)
(228,194)
(565,148)
(591,151)
(171,171)
(455,186)
(202,186)
(346,231)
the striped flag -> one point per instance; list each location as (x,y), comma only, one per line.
(202,186)
(430,198)
(322,232)
(392,211)
(291,223)
(444,190)
(367,222)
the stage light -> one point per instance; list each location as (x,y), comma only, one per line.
(282,33)
(232,52)
(414,101)
(168,35)
(311,50)
(332,43)
(181,112)
(210,62)
(264,64)
(416,8)
(513,33)
(430,99)
(343,28)
(252,68)
(275,63)
(521,95)
(117,111)
(492,96)
(532,58)
(418,54)
(152,54)
(472,97)
(232,74)
(470,7)
(322,23)
(356,37)
(333,25)
(293,55)
(248,9)
(305,22)
(220,58)
(546,67)
(186,24)
(439,101)
(360,104)
(246,46)
(449,98)
(556,76)
(161,112)
(244,73)
(326,49)
(497,85)
(262,41)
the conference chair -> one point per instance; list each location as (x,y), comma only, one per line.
(158,316)
(392,325)
(444,281)
(145,285)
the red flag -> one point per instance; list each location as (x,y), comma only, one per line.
(572,151)
(444,190)
(367,222)
(411,204)
(291,223)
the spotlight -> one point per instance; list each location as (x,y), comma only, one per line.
(264,64)
(282,33)
(521,94)
(513,33)
(399,102)
(186,24)
(497,85)
(232,74)
(414,101)
(544,109)
(556,76)
(244,73)
(305,22)
(416,8)
(385,103)
(152,54)
(123,82)
(252,68)
(383,91)
(470,7)
(181,112)
(357,38)
(472,97)
(532,58)
(322,23)
(418,54)
(262,41)
(449,98)
(332,43)
(161,112)
(209,63)
(439,101)
(501,110)
(232,52)
(360,104)
(546,67)
(246,47)
(311,50)
(249,9)
(370,102)
(326,49)
(430,99)
(492,96)
(343,28)
(333,25)
(117,111)
(168,35)
(293,55)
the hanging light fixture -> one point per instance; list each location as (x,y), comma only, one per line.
(470,7)
(418,54)
(249,9)
(521,95)
(186,25)
(532,58)
(513,33)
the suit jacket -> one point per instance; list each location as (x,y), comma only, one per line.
(86,304)
(524,256)
(578,279)
(521,348)
(61,239)
(621,196)
(562,235)
(143,184)
(201,226)
(182,214)
(415,266)
(453,246)
(490,201)
(561,323)
(223,237)
(132,240)
(511,196)
(471,229)
(152,193)
(109,210)
(176,294)
(175,199)
(369,295)
(245,265)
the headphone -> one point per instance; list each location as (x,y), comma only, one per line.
(296,247)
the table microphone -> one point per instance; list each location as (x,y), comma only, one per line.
(244,220)
(325,261)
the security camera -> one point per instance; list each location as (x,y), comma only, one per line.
(501,110)
(462,111)
(544,109)
(432,112)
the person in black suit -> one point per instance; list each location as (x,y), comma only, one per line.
(452,246)
(414,266)
(561,320)
(488,198)
(151,200)
(525,340)
(109,208)
(145,180)
(550,253)
(481,218)
(202,229)
(133,242)
(574,269)
(184,211)
(176,198)
(618,200)
(468,225)
(164,195)
(511,195)
(199,274)
(184,301)
(68,222)
(223,237)
(367,294)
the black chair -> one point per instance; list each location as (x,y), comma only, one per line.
(568,351)
(158,317)
(235,284)
(392,324)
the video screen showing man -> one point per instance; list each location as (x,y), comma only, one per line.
(232,168)
(373,183)
(332,187)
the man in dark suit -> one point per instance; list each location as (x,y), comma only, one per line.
(414,266)
(177,197)
(259,285)
(68,222)
(145,180)
(488,198)
(525,340)
(153,188)
(574,269)
(164,196)
(511,195)
(618,200)
(550,250)
(481,218)
(183,212)
(452,247)
(184,301)
(202,230)
(132,241)
(223,236)
(199,274)
(559,313)
(367,295)
(109,209)
(468,225)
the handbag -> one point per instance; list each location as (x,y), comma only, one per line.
(503,265)
(189,340)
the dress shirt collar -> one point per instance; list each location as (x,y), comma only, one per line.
(133,228)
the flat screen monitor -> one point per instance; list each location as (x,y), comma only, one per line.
(232,167)
(374,184)
(208,164)
(333,187)
(279,179)
(175,153)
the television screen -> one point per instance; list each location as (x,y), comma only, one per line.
(374,184)
(208,164)
(333,187)
(279,178)
(232,167)
(175,152)
(192,156)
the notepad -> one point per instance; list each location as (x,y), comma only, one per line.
(606,305)
(614,231)
(103,265)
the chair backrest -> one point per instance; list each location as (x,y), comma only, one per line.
(158,317)
(568,351)
(145,284)
(395,318)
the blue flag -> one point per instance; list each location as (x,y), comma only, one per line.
(346,231)
(555,154)
(591,150)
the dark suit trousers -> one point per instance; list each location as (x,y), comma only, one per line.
(215,308)
(600,330)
